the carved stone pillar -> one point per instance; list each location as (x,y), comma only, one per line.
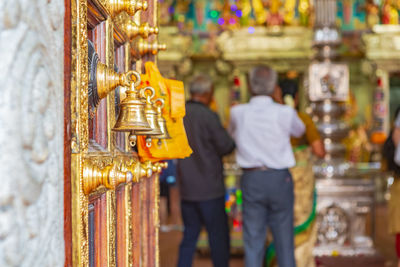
(31,135)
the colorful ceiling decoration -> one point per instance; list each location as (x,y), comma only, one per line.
(205,15)
(217,15)
(364,14)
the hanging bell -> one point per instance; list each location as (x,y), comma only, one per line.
(161,121)
(132,115)
(151,114)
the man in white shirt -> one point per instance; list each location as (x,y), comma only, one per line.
(262,131)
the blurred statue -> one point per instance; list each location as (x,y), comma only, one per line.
(289,15)
(372,11)
(275,18)
(390,14)
(166,12)
(259,11)
(304,12)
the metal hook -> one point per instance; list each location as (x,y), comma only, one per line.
(128,77)
(146,96)
(160,100)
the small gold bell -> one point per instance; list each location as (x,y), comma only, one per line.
(132,115)
(151,114)
(161,120)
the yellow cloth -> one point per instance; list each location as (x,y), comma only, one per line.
(172,92)
(303,180)
(312,133)
(394,207)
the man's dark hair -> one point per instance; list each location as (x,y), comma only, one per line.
(289,87)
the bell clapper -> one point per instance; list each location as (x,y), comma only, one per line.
(159,143)
(132,139)
(148,141)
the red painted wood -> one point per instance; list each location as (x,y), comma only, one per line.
(67,135)
(121,252)
(98,125)
(152,221)
(136,225)
(145,222)
(100,228)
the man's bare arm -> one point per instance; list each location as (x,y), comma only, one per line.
(396,136)
(318,148)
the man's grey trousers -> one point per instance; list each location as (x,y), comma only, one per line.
(268,201)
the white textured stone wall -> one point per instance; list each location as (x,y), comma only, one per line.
(31,133)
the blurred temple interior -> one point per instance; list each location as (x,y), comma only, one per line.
(95,122)
(353,42)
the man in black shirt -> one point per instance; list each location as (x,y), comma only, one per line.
(200,177)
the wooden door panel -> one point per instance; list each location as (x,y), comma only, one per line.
(92,234)
(136,225)
(120,63)
(98,231)
(98,134)
(152,220)
(98,122)
(123,226)
(150,223)
(144,209)
(112,225)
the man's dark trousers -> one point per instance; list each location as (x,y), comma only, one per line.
(211,214)
(268,201)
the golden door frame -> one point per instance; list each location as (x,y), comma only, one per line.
(80,154)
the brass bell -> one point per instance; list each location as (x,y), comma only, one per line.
(132,115)
(151,114)
(161,120)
